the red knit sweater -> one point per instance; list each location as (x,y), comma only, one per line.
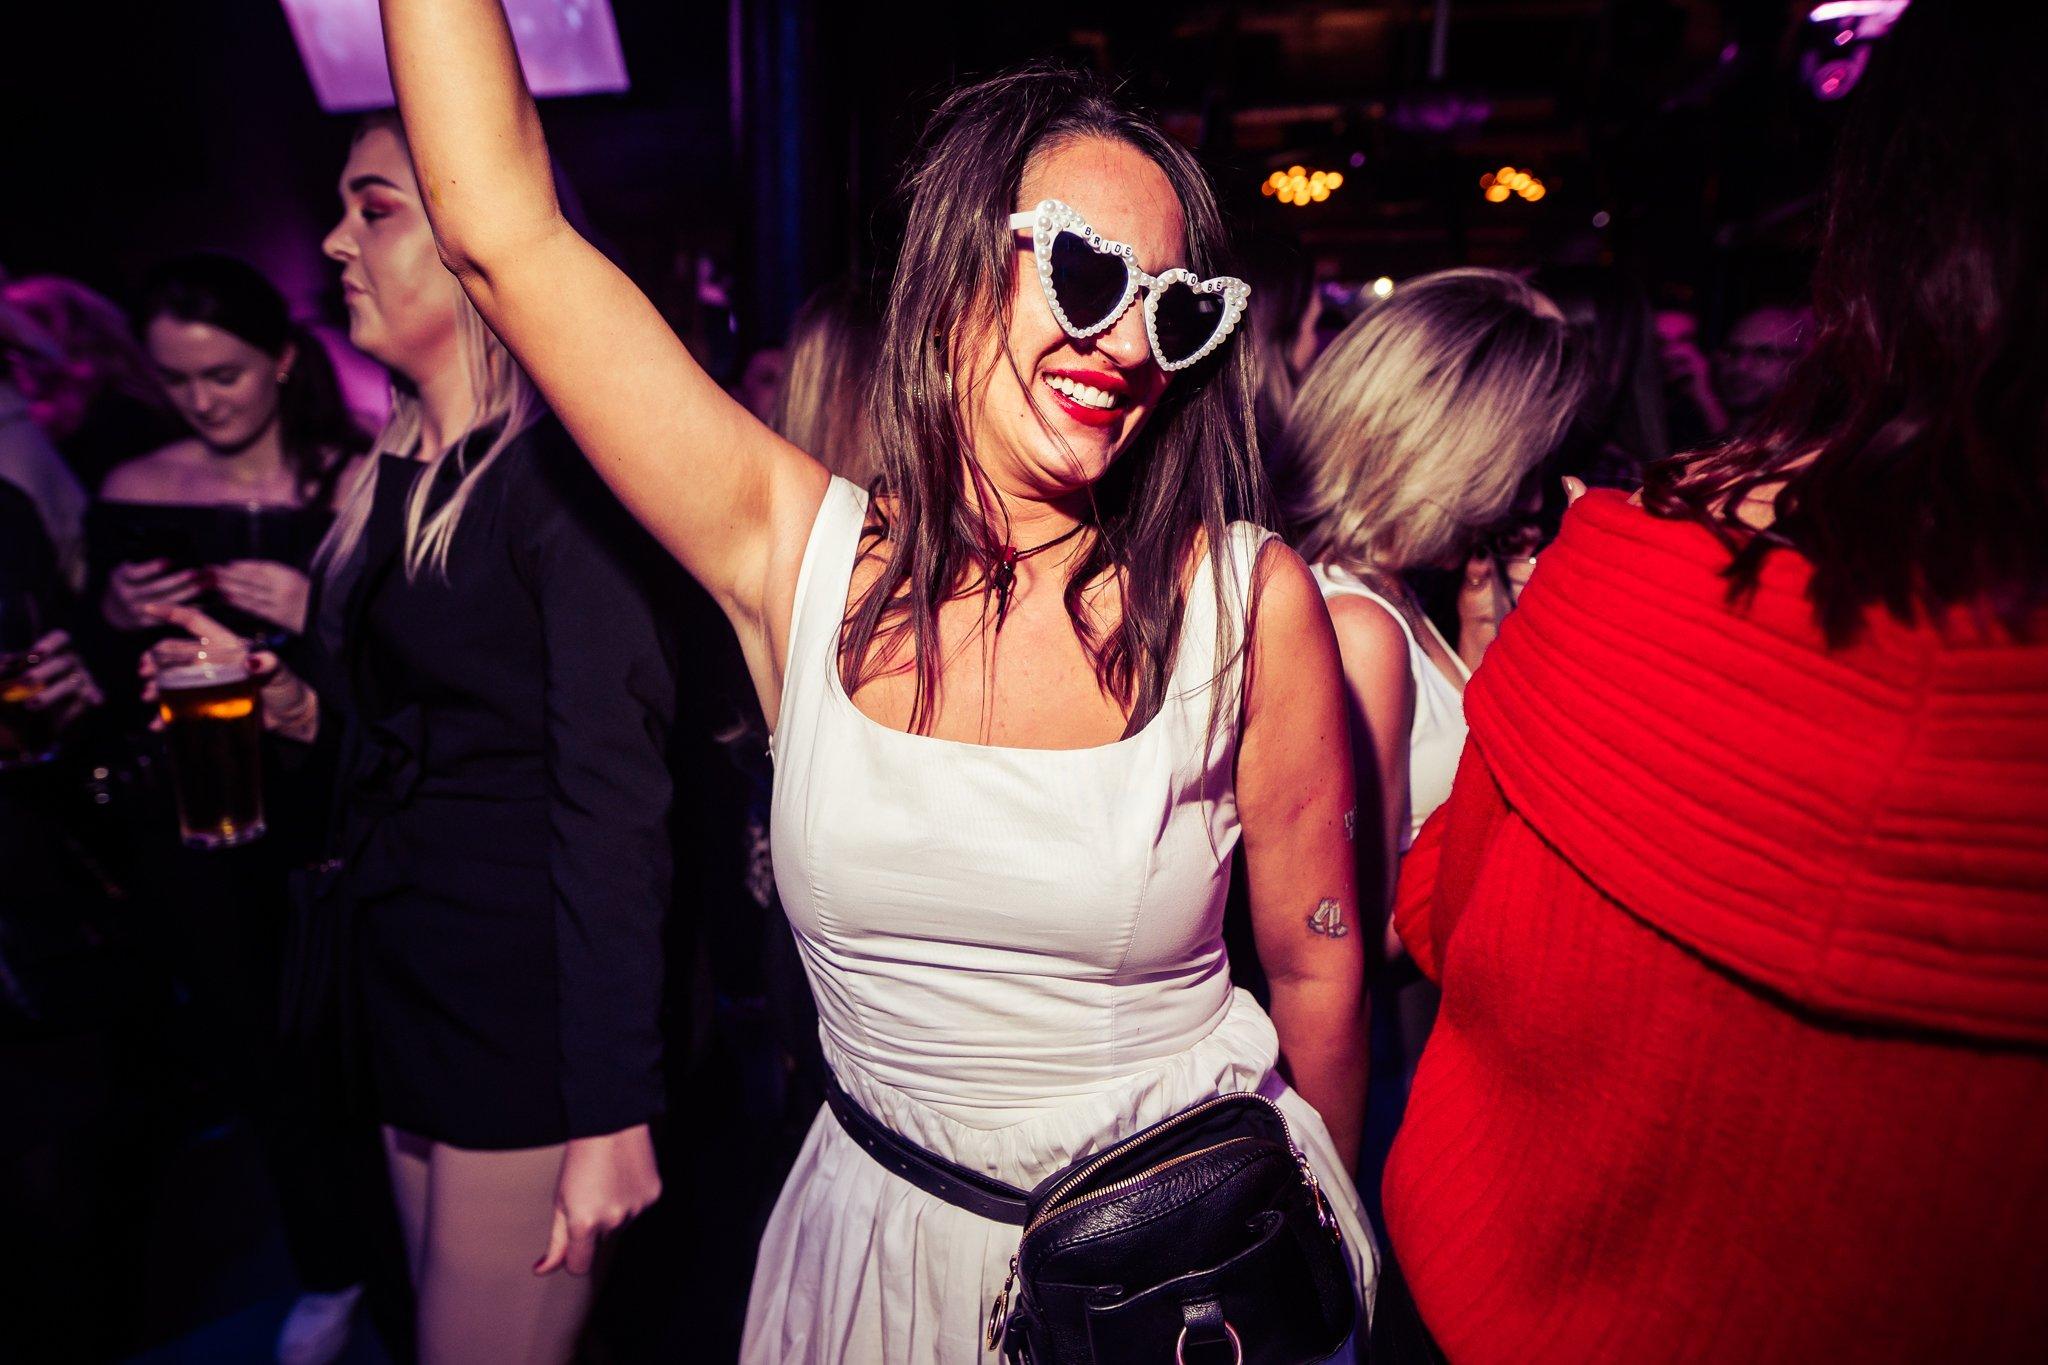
(1743,1052)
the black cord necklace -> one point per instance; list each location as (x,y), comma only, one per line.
(1003,577)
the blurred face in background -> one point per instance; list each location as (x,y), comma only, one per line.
(59,392)
(1678,343)
(402,302)
(760,381)
(224,388)
(1754,362)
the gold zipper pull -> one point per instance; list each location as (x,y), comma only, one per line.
(998,1313)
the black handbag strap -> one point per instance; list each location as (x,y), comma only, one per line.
(936,1176)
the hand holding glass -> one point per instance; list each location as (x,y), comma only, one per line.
(208,694)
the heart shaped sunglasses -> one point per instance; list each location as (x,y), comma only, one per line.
(1090,281)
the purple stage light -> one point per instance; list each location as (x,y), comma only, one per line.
(1839,48)
(567,47)
(1883,11)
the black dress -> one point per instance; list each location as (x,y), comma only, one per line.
(503,810)
(202,535)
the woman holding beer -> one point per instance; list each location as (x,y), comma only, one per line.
(227,517)
(1026,699)
(488,660)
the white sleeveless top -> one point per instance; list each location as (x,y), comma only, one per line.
(1437,738)
(1017,956)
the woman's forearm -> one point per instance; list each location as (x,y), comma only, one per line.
(1323,1043)
(475,136)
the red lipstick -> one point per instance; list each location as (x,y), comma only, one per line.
(1107,381)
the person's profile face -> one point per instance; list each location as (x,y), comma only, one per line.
(402,302)
(225,389)
(1055,422)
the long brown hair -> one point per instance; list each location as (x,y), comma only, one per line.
(1912,441)
(1192,468)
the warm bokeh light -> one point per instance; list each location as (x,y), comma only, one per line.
(1501,185)
(1382,287)
(1299,185)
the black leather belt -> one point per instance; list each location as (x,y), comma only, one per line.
(936,1176)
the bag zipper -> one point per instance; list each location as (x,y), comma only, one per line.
(998,1314)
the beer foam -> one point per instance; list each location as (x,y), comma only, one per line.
(203,673)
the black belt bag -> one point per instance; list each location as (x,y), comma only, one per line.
(1204,1238)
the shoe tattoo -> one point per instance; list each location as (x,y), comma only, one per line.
(1328,920)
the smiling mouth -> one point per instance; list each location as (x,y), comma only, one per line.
(1083,395)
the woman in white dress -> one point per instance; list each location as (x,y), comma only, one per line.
(1406,444)
(1026,700)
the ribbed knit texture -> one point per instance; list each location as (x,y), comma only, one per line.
(1744,949)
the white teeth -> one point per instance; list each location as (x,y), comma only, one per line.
(1085,394)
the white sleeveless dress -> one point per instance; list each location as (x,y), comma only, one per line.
(1436,740)
(1018,958)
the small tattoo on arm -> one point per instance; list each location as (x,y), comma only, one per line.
(1328,920)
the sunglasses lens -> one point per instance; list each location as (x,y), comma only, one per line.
(1185,320)
(1088,283)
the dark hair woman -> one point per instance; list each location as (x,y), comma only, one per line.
(1744,950)
(230,514)
(228,517)
(1025,701)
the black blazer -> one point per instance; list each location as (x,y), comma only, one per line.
(503,807)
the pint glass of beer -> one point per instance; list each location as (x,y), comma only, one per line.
(213,727)
(26,736)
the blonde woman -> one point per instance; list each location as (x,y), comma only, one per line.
(502,697)
(828,375)
(1406,443)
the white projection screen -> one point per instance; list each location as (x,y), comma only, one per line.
(568,47)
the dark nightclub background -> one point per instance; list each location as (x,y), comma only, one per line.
(751,161)
(759,140)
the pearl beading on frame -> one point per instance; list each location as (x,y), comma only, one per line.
(1052,217)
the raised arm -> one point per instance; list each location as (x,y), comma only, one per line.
(725,495)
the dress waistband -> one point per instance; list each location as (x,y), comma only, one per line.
(1237,1054)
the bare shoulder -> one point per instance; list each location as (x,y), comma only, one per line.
(1284,592)
(1290,629)
(1367,631)
(1373,646)
(159,476)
